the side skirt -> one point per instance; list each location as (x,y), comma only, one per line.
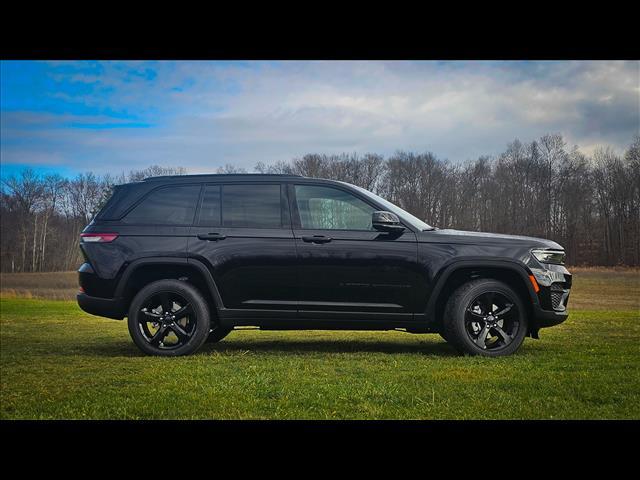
(291,320)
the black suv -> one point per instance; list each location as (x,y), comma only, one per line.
(188,258)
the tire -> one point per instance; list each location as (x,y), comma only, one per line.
(485,317)
(217,334)
(166,309)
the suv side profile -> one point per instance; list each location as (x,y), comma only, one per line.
(188,258)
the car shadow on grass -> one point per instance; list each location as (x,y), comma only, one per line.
(275,347)
(327,346)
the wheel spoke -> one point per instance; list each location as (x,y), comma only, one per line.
(183,312)
(159,336)
(481,338)
(506,309)
(153,316)
(486,303)
(475,314)
(506,338)
(167,304)
(182,335)
(490,296)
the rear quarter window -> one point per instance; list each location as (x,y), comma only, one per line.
(171,205)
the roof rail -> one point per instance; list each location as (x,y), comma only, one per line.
(217,175)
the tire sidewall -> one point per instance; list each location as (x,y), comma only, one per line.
(192,295)
(456,330)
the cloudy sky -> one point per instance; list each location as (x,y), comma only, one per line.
(114,116)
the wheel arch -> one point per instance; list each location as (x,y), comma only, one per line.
(145,270)
(451,276)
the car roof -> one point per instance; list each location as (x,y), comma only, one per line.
(234,177)
(221,176)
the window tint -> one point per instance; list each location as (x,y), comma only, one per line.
(331,209)
(210,208)
(251,206)
(167,206)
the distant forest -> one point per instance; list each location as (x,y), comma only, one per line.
(590,204)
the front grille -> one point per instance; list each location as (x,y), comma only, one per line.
(559,297)
(556,298)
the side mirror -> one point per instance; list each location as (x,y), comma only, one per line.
(386,222)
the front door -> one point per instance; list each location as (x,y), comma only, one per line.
(345,266)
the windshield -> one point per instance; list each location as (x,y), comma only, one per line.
(414,221)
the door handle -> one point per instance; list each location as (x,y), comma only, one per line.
(212,237)
(317,239)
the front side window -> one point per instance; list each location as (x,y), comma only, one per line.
(326,208)
(166,206)
(251,206)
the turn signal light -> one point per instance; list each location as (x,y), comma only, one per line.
(536,287)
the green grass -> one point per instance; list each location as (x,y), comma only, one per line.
(59,363)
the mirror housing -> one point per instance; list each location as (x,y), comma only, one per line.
(386,222)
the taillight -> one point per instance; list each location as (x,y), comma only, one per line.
(98,237)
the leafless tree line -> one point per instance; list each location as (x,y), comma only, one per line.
(589,204)
(42,216)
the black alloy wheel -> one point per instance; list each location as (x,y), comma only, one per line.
(169,318)
(485,317)
(166,320)
(492,321)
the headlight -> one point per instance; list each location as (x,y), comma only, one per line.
(549,256)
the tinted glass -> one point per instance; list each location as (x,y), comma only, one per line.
(167,206)
(251,206)
(329,208)
(415,221)
(210,208)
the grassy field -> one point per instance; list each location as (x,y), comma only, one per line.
(57,362)
(49,285)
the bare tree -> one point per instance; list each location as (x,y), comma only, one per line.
(27,192)
(229,169)
(591,205)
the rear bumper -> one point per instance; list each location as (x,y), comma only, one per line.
(102,307)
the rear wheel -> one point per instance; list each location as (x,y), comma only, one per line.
(485,317)
(169,318)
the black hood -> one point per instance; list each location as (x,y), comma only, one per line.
(460,236)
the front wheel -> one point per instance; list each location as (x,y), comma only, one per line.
(169,318)
(485,317)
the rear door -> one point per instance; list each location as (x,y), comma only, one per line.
(243,232)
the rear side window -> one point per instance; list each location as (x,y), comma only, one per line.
(210,209)
(251,206)
(166,206)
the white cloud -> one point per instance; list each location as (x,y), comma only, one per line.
(210,114)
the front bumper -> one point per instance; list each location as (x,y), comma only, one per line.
(547,318)
(102,307)
(555,287)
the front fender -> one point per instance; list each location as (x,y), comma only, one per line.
(448,269)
